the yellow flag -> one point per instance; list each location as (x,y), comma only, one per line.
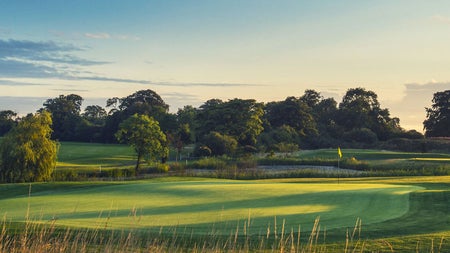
(339,152)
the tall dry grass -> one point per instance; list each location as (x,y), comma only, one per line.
(47,236)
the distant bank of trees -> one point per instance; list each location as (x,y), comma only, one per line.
(242,125)
(234,127)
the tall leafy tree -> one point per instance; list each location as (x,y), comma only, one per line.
(144,102)
(186,117)
(220,144)
(144,135)
(27,152)
(209,118)
(238,118)
(311,98)
(437,123)
(360,109)
(95,114)
(183,131)
(357,107)
(292,112)
(7,121)
(66,117)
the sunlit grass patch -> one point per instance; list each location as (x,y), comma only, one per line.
(402,213)
(200,204)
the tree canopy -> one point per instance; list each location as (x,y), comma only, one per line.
(306,121)
(27,153)
(360,109)
(437,123)
(144,135)
(7,121)
(237,118)
(65,112)
(293,112)
(144,102)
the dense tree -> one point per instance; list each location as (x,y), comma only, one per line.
(7,121)
(309,121)
(360,109)
(437,123)
(292,112)
(357,107)
(278,138)
(243,120)
(145,136)
(220,144)
(311,97)
(95,114)
(239,118)
(179,138)
(186,117)
(27,152)
(181,132)
(324,112)
(144,102)
(66,117)
(209,118)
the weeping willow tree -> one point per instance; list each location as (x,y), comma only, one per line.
(27,154)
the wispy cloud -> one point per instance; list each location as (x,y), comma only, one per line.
(4,82)
(149,82)
(24,58)
(204,84)
(71,90)
(48,59)
(105,35)
(97,35)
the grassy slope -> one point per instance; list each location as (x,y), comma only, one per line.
(199,204)
(138,203)
(93,155)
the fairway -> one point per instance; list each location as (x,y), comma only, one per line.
(203,205)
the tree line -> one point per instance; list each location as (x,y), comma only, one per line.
(244,125)
(233,127)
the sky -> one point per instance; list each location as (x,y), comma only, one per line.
(189,51)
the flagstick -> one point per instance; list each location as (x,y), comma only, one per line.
(339,158)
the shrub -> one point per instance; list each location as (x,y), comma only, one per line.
(220,144)
(354,164)
(202,151)
(285,147)
(363,135)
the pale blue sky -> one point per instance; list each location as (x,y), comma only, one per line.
(190,51)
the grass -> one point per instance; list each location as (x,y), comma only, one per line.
(89,158)
(93,155)
(368,154)
(201,204)
(406,214)
(401,211)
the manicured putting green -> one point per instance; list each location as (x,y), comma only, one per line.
(206,205)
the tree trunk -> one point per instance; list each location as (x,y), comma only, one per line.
(138,163)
